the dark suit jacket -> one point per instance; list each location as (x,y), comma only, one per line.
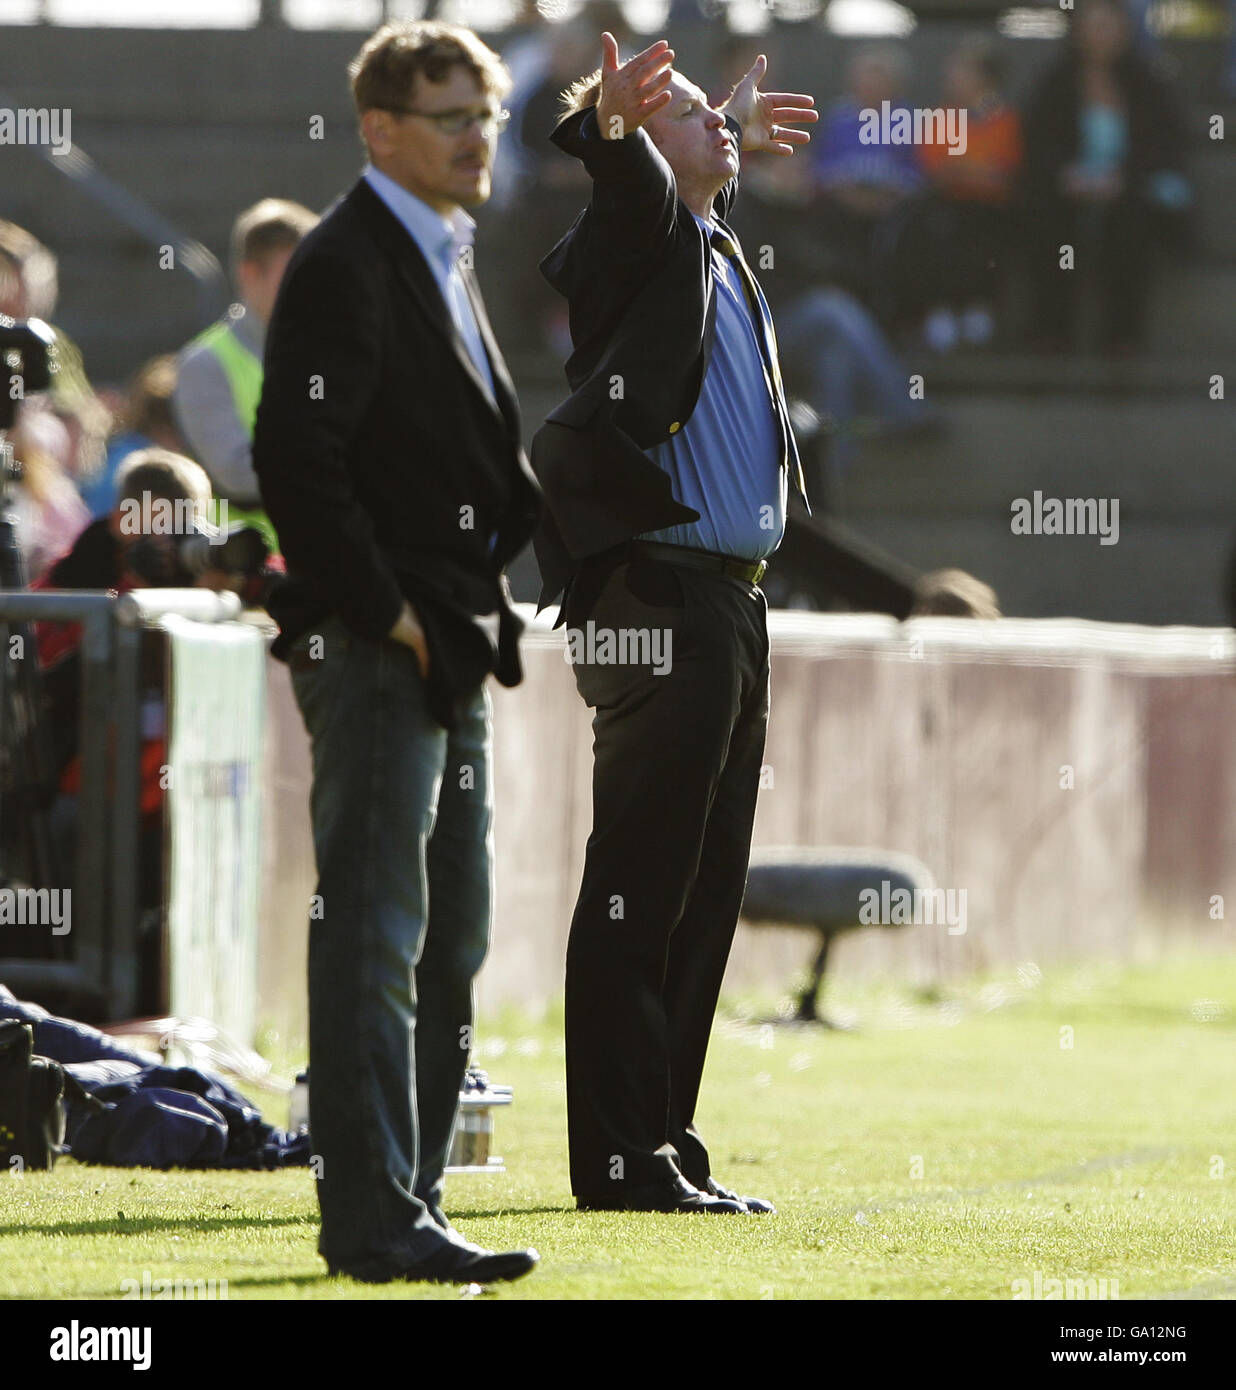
(376,445)
(636,269)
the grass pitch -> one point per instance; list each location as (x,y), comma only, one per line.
(1077,1125)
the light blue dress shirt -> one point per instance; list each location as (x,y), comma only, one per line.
(440,239)
(725,462)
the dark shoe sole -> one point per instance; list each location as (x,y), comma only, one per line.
(484,1269)
(717,1207)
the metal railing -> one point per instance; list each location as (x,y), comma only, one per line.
(105,873)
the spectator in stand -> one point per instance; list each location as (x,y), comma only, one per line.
(49,510)
(146,420)
(29,288)
(834,353)
(220,372)
(59,434)
(969,219)
(1104,171)
(867,190)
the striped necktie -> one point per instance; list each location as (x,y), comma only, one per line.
(767,338)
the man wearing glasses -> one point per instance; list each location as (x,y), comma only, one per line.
(388,451)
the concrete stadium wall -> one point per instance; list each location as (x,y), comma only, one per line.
(941,738)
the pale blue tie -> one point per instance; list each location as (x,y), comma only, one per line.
(464,318)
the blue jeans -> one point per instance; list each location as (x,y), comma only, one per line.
(848,361)
(402,814)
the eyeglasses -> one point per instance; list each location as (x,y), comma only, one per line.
(456,122)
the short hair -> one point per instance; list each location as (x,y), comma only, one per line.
(584,92)
(889,56)
(953,593)
(161,473)
(149,405)
(981,53)
(274,224)
(383,74)
(35,267)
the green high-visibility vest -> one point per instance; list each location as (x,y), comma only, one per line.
(243,372)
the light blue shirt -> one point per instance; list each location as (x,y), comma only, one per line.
(1104,139)
(725,462)
(441,239)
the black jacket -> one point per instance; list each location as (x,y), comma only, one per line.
(383,463)
(636,269)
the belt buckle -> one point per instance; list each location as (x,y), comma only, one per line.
(760,571)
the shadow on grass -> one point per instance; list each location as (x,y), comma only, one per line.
(468,1214)
(143,1225)
(263,1281)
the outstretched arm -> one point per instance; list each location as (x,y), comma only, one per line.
(633,195)
(767,117)
(634,90)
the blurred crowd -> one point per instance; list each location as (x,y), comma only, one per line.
(867,251)
(872,251)
(178,435)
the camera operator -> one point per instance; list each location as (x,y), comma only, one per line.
(123,551)
(142,542)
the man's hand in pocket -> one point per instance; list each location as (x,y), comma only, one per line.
(409,631)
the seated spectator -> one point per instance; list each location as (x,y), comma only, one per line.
(970,222)
(220,371)
(145,420)
(1104,170)
(851,378)
(834,353)
(867,189)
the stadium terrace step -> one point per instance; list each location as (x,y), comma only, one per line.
(1160,572)
(1167,459)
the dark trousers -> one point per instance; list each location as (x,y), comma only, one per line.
(402,814)
(675,781)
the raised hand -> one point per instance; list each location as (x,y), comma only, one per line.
(766,116)
(632,92)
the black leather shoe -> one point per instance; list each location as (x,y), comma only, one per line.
(678,1196)
(756,1205)
(454,1264)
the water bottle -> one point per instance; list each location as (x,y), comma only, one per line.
(298,1114)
